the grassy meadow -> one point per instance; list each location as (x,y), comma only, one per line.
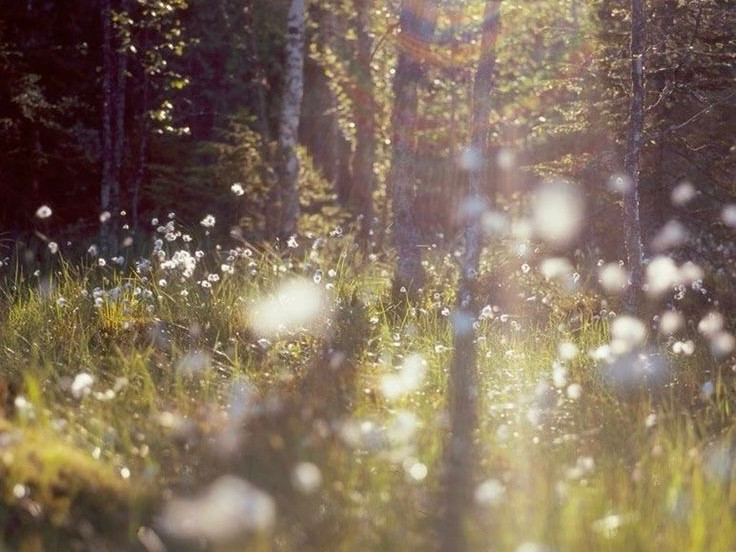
(253,399)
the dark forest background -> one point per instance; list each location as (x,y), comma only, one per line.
(193,91)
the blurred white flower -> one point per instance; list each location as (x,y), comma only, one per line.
(728,215)
(672,234)
(82,384)
(557,211)
(296,304)
(490,492)
(409,377)
(208,221)
(711,324)
(43,212)
(683,193)
(574,391)
(662,275)
(229,509)
(670,322)
(619,183)
(613,278)
(627,333)
(237,189)
(306,477)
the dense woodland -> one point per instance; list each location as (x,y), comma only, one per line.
(154,107)
(487,181)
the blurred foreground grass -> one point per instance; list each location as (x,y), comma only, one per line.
(150,409)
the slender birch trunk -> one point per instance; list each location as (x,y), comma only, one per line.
(417,24)
(632,221)
(288,165)
(459,451)
(365,126)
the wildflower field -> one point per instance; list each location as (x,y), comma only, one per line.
(263,399)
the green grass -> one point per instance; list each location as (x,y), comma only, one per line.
(650,469)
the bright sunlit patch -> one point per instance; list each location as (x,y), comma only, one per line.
(557,212)
(297,304)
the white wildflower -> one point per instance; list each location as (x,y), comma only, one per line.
(208,221)
(43,212)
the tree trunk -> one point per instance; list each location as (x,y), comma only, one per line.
(632,221)
(114,75)
(121,60)
(416,30)
(140,172)
(107,183)
(288,165)
(459,454)
(365,127)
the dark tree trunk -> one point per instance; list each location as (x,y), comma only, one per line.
(632,222)
(288,165)
(363,182)
(107,184)
(417,24)
(114,76)
(121,60)
(459,453)
(140,171)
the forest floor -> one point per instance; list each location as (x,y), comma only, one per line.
(247,400)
